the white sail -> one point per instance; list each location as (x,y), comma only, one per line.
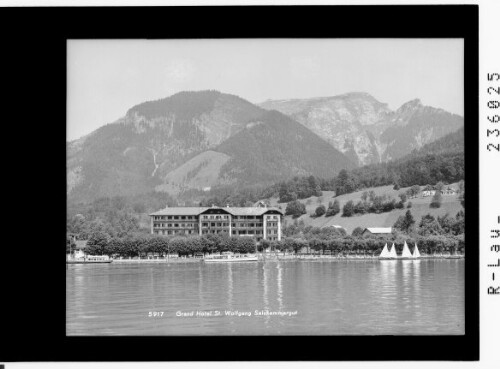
(406,251)
(416,254)
(393,253)
(384,253)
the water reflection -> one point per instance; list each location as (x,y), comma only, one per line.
(406,278)
(417,292)
(200,286)
(280,285)
(265,292)
(230,286)
(332,298)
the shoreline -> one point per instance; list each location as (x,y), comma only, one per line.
(283,258)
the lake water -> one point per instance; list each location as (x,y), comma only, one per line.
(360,297)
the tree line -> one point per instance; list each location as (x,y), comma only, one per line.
(409,171)
(139,245)
(318,242)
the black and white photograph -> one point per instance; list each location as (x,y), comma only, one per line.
(245,184)
(239,187)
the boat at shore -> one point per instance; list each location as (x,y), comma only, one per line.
(406,253)
(387,254)
(416,253)
(229,257)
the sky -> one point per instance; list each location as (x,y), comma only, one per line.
(108,77)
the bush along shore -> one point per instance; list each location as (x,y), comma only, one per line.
(327,243)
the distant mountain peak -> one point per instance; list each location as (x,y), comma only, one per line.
(410,105)
(195,139)
(365,129)
(358,94)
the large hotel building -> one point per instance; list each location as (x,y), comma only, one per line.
(261,223)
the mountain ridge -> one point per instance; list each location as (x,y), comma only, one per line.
(365,129)
(142,150)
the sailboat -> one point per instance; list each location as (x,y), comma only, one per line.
(388,255)
(406,252)
(416,254)
(385,253)
(393,253)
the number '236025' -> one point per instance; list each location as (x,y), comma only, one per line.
(493,104)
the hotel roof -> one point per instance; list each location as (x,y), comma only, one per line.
(180,211)
(251,210)
(230,210)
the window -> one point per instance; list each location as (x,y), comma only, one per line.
(169,232)
(169,217)
(183,217)
(233,225)
(176,217)
(204,225)
(176,225)
(212,224)
(234,232)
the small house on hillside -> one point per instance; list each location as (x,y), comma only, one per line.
(377,230)
(428,193)
(449,191)
(338,227)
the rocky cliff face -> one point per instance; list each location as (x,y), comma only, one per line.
(184,141)
(414,125)
(366,130)
(135,153)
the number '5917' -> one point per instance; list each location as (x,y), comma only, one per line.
(154,314)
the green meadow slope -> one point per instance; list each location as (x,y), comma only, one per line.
(420,207)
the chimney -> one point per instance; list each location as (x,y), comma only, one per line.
(227,205)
